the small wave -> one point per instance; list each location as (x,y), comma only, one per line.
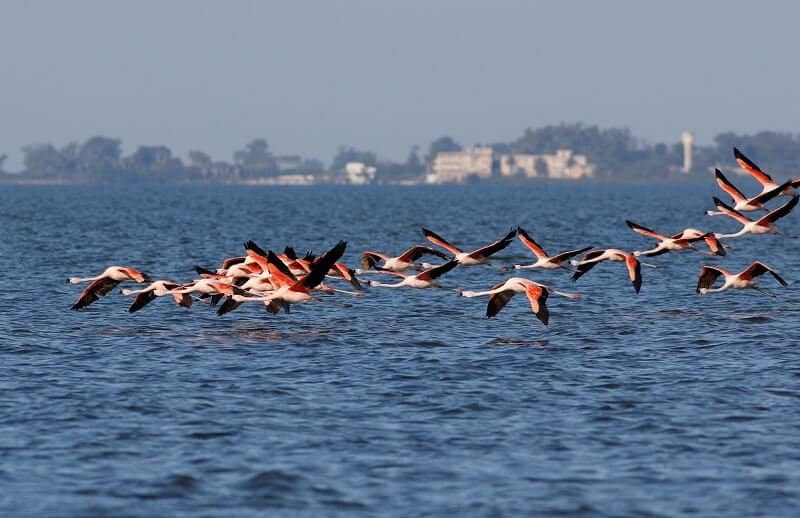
(210,435)
(272,480)
(508,341)
(755,319)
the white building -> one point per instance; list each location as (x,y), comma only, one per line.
(359,173)
(458,166)
(563,165)
(520,163)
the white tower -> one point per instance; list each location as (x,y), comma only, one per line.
(687,139)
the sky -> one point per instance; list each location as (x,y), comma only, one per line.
(384,76)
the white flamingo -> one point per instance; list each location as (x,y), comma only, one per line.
(542,259)
(742,280)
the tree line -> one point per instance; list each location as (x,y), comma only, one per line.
(615,151)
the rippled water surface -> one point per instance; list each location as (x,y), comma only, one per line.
(411,401)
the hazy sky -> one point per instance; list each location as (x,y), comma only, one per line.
(383,76)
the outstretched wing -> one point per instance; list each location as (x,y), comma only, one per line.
(495,247)
(731,212)
(778,213)
(714,245)
(708,276)
(529,242)
(728,187)
(585,267)
(750,167)
(634,271)
(141,300)
(639,229)
(759,268)
(437,271)
(94,291)
(320,267)
(497,302)
(563,256)
(537,297)
(439,241)
(417,251)
(370,259)
(764,197)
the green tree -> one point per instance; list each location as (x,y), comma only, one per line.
(152,159)
(199,159)
(100,155)
(414,165)
(350,154)
(42,160)
(255,156)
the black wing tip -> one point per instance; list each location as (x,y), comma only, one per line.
(543,315)
(290,253)
(199,269)
(251,245)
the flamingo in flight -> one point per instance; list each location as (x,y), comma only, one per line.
(741,202)
(763,225)
(303,266)
(611,254)
(542,259)
(424,279)
(742,280)
(155,289)
(479,256)
(105,282)
(666,244)
(290,290)
(405,261)
(715,247)
(766,181)
(500,294)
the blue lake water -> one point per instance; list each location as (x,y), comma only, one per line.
(409,402)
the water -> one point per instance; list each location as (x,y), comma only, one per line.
(409,402)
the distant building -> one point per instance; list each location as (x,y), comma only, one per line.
(687,139)
(520,164)
(287,163)
(281,179)
(563,165)
(458,166)
(359,173)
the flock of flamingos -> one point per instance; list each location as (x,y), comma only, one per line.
(278,280)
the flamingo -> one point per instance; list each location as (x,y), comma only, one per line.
(715,247)
(400,263)
(542,259)
(290,290)
(666,243)
(743,203)
(516,283)
(766,181)
(155,289)
(105,282)
(479,256)
(742,280)
(611,254)
(424,279)
(501,293)
(763,225)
